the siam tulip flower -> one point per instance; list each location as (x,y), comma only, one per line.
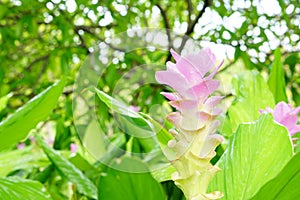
(21,146)
(194,134)
(134,108)
(73,147)
(285,115)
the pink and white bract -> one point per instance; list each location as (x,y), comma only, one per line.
(195,139)
(188,77)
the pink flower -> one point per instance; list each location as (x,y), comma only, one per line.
(188,77)
(134,108)
(285,115)
(73,147)
(21,145)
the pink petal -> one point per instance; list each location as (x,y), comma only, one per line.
(295,111)
(188,70)
(280,110)
(216,111)
(215,70)
(175,104)
(285,115)
(203,89)
(174,118)
(204,116)
(209,114)
(170,96)
(295,129)
(175,55)
(134,108)
(21,146)
(288,120)
(73,147)
(203,61)
(173,79)
(212,101)
(171,67)
(184,105)
(195,66)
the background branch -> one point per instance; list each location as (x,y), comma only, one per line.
(168,29)
(192,24)
(190,10)
(37,60)
(87,30)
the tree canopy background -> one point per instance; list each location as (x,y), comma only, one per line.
(41,41)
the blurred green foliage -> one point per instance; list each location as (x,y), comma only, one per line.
(45,41)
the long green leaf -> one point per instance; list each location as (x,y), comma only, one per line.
(276,80)
(133,123)
(116,105)
(252,94)
(255,154)
(22,189)
(68,170)
(147,133)
(21,159)
(119,185)
(17,126)
(129,121)
(285,185)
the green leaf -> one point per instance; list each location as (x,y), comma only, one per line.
(32,26)
(163,137)
(255,154)
(3,11)
(68,170)
(292,60)
(246,59)
(119,185)
(135,57)
(137,124)
(22,189)
(116,105)
(95,140)
(252,94)
(237,53)
(137,127)
(17,126)
(162,134)
(81,163)
(110,76)
(129,121)
(244,28)
(276,80)
(164,173)
(285,185)
(21,159)
(4,100)
(225,126)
